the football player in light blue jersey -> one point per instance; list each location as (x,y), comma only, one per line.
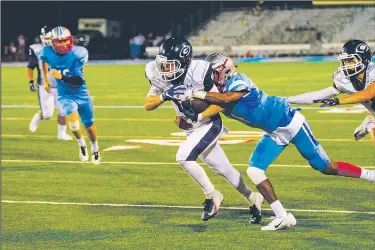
(47,101)
(242,100)
(65,63)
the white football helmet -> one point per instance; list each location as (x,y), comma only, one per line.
(62,40)
(45,36)
(223,69)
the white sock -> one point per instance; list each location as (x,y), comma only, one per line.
(81,142)
(367,175)
(199,175)
(36,119)
(278,209)
(61,129)
(95,146)
(370,126)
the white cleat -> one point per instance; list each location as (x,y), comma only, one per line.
(281,223)
(33,126)
(64,137)
(212,205)
(256,209)
(83,155)
(361,131)
(95,158)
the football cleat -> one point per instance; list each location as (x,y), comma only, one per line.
(281,223)
(361,131)
(256,209)
(212,205)
(33,126)
(64,137)
(95,158)
(83,155)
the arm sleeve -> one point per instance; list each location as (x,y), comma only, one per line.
(74,80)
(33,60)
(308,98)
(208,79)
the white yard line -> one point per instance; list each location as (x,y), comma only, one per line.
(148,163)
(165,107)
(180,207)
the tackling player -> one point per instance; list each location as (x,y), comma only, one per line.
(65,63)
(355,76)
(174,66)
(47,101)
(244,102)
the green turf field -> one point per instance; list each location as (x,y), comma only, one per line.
(91,208)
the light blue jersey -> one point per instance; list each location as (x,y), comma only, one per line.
(69,64)
(283,125)
(72,98)
(256,109)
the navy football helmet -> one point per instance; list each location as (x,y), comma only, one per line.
(355,57)
(174,58)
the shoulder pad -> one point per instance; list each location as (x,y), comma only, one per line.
(150,70)
(81,54)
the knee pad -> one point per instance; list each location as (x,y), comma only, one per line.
(256,175)
(74,126)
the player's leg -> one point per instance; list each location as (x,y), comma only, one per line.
(196,143)
(61,119)
(311,150)
(217,160)
(86,112)
(367,126)
(44,112)
(264,154)
(70,111)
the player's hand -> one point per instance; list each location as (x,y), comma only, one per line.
(173,93)
(47,87)
(188,94)
(32,85)
(56,74)
(328,102)
(188,111)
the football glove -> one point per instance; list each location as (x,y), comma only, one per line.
(328,102)
(32,86)
(173,93)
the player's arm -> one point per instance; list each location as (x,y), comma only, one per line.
(73,80)
(152,102)
(308,98)
(32,64)
(220,99)
(360,96)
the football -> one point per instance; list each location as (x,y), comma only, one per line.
(197,105)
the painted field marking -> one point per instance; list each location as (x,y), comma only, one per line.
(180,207)
(148,163)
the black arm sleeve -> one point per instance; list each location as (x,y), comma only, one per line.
(33,60)
(74,80)
(208,81)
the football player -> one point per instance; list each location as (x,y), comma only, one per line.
(244,102)
(47,101)
(356,75)
(65,63)
(174,66)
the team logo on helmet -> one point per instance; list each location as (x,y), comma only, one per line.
(361,48)
(185,51)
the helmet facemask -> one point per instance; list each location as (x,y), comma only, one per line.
(222,71)
(62,40)
(169,70)
(46,39)
(351,64)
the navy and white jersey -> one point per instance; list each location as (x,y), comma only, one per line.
(35,51)
(258,110)
(198,77)
(350,86)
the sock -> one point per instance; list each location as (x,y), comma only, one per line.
(368,175)
(36,119)
(81,142)
(61,129)
(95,146)
(348,170)
(199,176)
(278,209)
